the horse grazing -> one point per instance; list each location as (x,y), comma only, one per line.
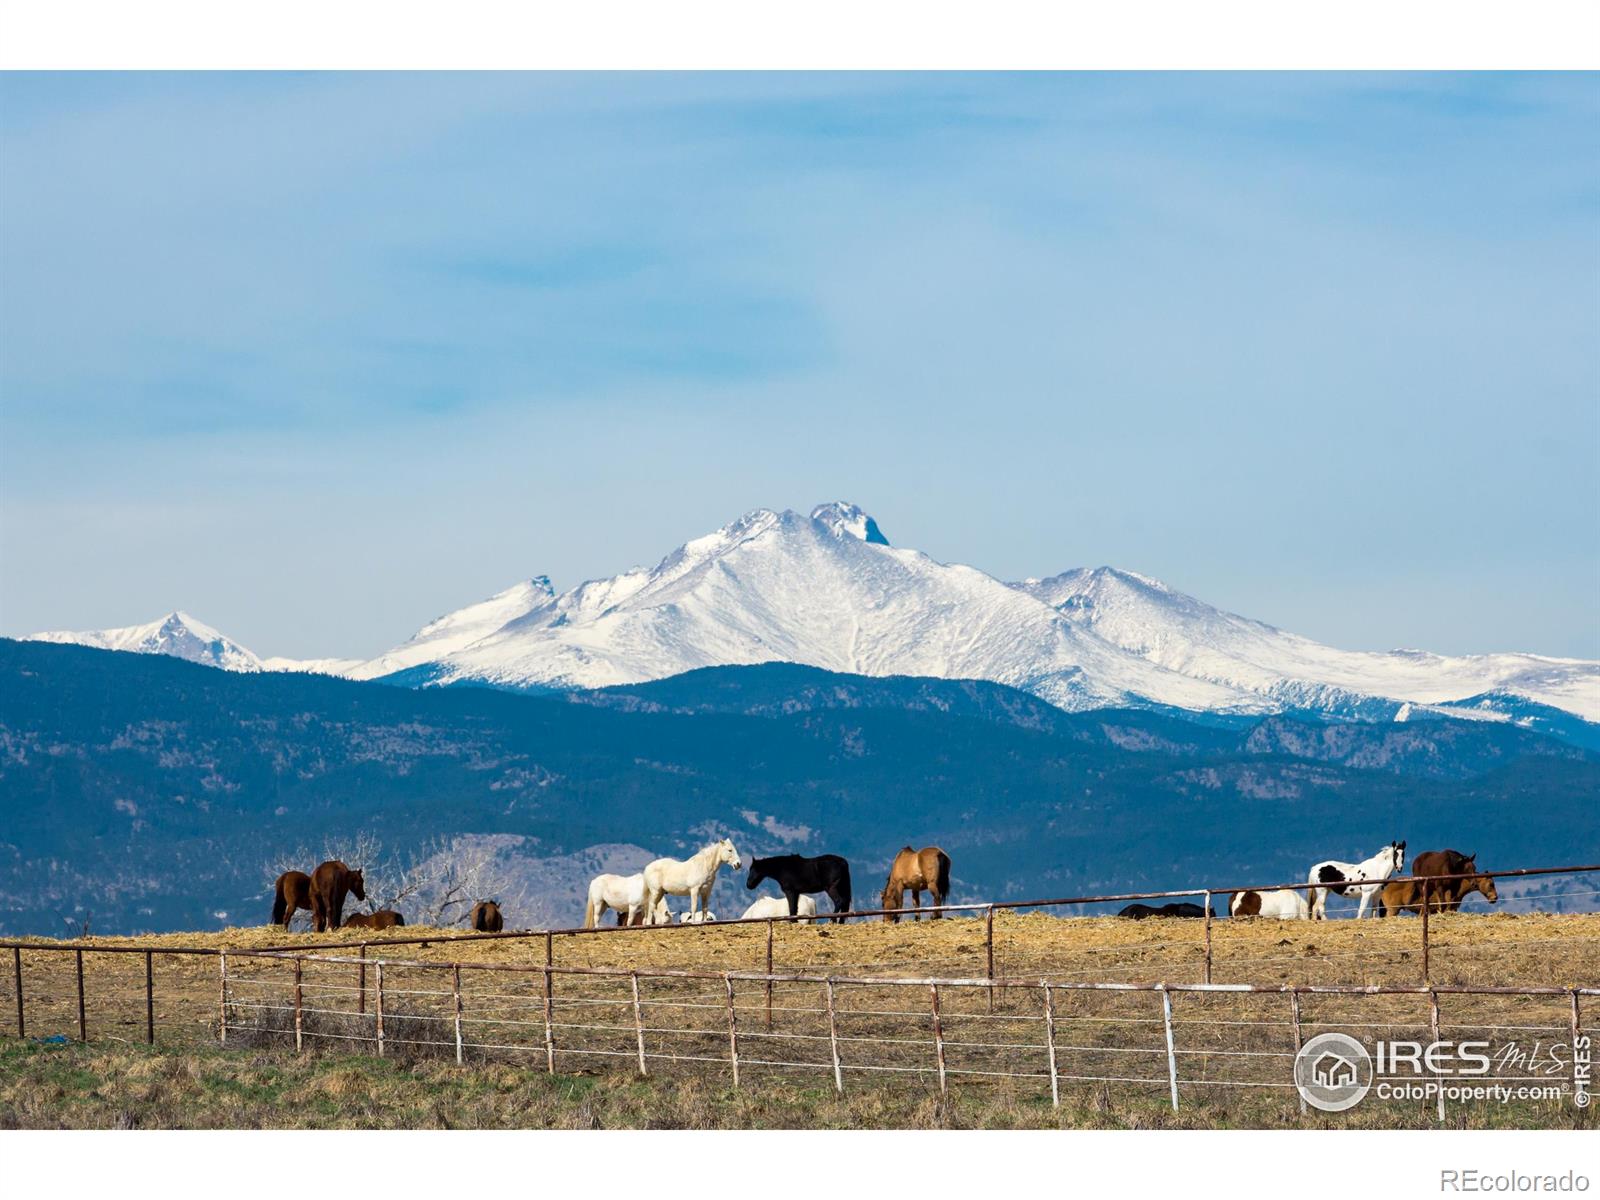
(772,906)
(1364,878)
(384,918)
(291,891)
(624,895)
(796,875)
(1139,912)
(918,871)
(1283,905)
(1449,894)
(693,878)
(486,917)
(330,884)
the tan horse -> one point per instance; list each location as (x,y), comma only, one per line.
(917,871)
(330,884)
(1446,896)
(385,918)
(290,892)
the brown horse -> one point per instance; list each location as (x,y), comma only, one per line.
(330,884)
(292,891)
(384,918)
(1405,895)
(1446,895)
(918,871)
(486,917)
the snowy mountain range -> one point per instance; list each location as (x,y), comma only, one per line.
(828,590)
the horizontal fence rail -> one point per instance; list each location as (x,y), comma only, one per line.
(840,1027)
(79,998)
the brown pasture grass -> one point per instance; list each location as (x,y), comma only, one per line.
(997,1069)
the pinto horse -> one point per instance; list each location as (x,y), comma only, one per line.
(330,884)
(1365,878)
(916,871)
(290,892)
(693,877)
(1285,905)
(796,876)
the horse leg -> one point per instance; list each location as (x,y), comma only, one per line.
(916,903)
(1361,909)
(938,899)
(794,903)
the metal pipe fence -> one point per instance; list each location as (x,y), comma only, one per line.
(1173,1038)
(101,1006)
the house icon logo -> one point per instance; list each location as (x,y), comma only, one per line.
(1333,1072)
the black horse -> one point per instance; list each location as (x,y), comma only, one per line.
(795,875)
(1138,912)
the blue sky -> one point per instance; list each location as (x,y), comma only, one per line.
(318,358)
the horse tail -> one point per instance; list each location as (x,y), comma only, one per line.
(944,877)
(280,903)
(590,916)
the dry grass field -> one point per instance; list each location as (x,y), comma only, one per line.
(1233,1050)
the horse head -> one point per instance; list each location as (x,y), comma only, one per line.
(727,854)
(358,885)
(1485,885)
(1399,854)
(758,872)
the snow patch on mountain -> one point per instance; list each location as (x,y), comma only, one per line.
(457,630)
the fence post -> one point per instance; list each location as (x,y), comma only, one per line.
(1208,937)
(988,938)
(222,996)
(1050,1041)
(638,1021)
(1294,1010)
(1172,1056)
(455,984)
(833,1039)
(361,981)
(16,962)
(549,1023)
(1433,1021)
(1426,883)
(733,1030)
(377,1000)
(299,1044)
(938,1035)
(770,923)
(1575,1028)
(83,1024)
(149,998)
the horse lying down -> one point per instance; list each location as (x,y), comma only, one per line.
(1138,912)
(1285,905)
(778,906)
(702,917)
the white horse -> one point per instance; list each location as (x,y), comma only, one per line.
(1342,878)
(622,893)
(778,906)
(693,878)
(1284,905)
(699,918)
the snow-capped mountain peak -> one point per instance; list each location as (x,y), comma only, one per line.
(848,520)
(176,634)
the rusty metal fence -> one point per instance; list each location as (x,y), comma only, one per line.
(1170,1038)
